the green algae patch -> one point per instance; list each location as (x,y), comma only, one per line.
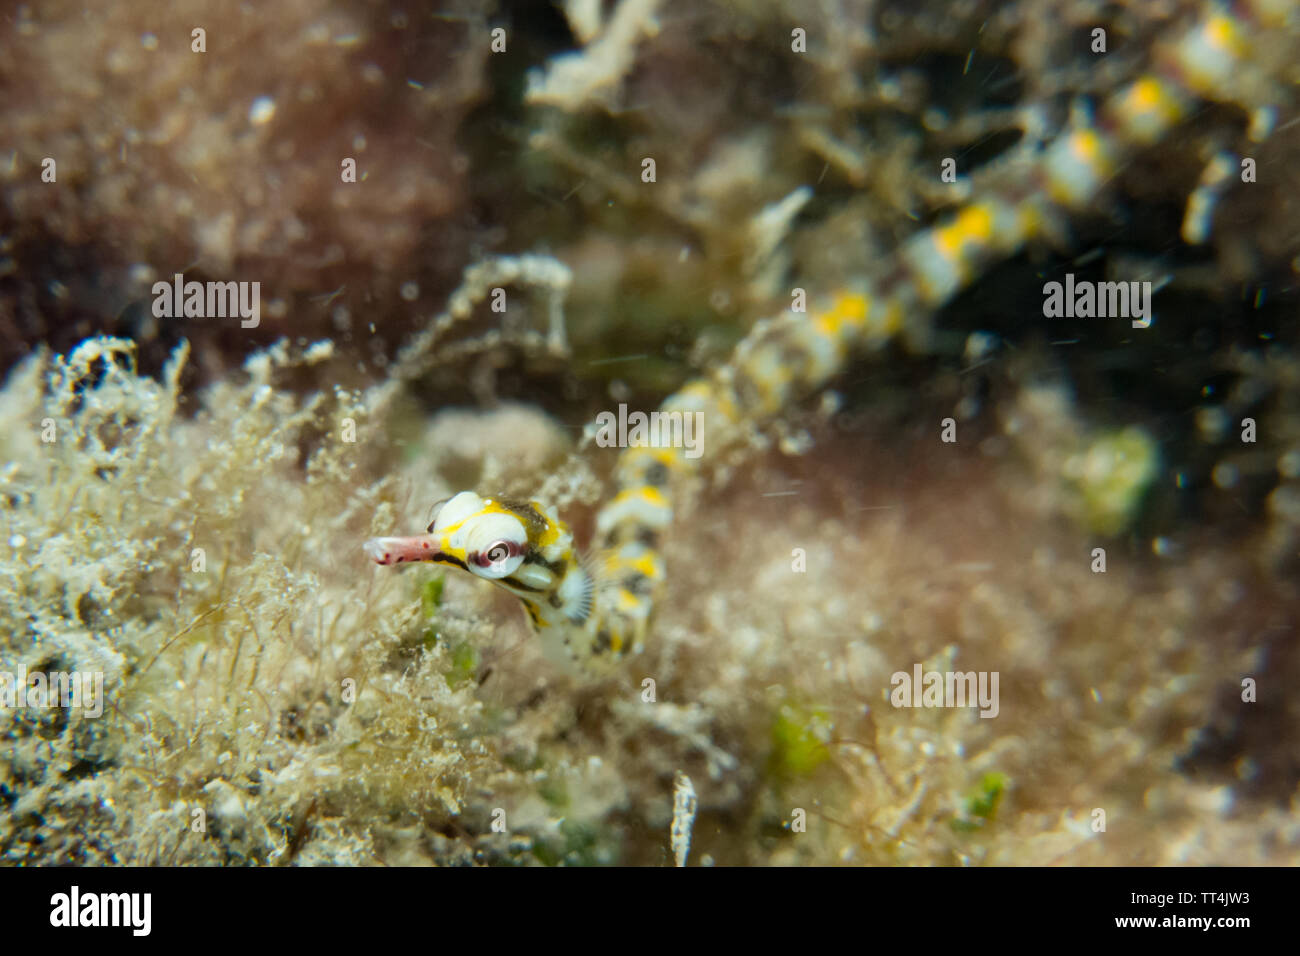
(431,595)
(799,741)
(982,804)
(1112,475)
(576,844)
(463,663)
(430,600)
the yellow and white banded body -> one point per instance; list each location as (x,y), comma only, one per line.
(591,617)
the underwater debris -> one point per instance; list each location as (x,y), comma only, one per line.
(684,806)
(574,80)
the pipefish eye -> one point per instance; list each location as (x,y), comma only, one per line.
(498,559)
(495,545)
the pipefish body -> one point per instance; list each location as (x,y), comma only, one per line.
(591,615)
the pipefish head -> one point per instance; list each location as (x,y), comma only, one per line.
(517,545)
